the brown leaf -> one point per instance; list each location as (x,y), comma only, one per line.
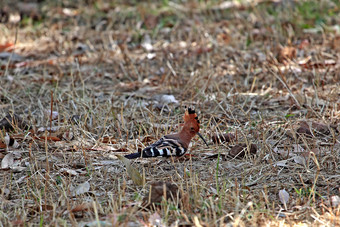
(302,130)
(321,128)
(221,138)
(160,190)
(239,150)
(318,128)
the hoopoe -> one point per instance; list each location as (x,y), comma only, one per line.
(174,144)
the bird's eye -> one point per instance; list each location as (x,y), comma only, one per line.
(192,129)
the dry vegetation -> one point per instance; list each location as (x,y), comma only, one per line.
(267,72)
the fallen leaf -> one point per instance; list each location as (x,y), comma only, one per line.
(284,197)
(159,191)
(132,172)
(304,129)
(7,161)
(321,128)
(81,189)
(239,150)
(10,142)
(163,100)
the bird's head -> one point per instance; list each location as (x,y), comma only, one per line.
(192,124)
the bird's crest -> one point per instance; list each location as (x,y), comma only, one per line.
(190,115)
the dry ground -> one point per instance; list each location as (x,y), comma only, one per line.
(265,71)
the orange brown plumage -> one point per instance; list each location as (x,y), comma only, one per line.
(174,144)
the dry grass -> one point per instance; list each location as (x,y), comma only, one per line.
(226,63)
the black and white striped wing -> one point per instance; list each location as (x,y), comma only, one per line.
(164,147)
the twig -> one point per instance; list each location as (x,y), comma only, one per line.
(285,84)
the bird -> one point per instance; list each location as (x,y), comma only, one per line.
(173,144)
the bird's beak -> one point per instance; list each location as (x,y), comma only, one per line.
(203,139)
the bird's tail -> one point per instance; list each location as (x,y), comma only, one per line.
(133,155)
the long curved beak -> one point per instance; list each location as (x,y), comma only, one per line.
(203,139)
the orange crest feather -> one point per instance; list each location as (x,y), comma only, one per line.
(190,115)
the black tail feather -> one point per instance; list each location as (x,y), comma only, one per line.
(133,156)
